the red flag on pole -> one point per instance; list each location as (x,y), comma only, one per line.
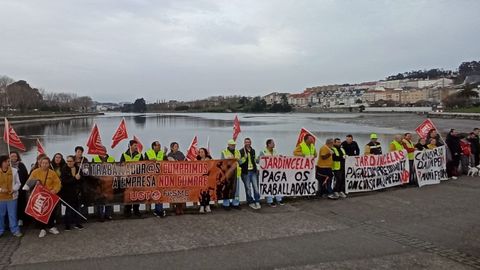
(94,143)
(193,150)
(11,137)
(120,134)
(423,129)
(139,143)
(302,134)
(41,203)
(40,148)
(236,128)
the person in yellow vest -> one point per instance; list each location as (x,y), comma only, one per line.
(270,151)
(156,153)
(306,148)
(324,171)
(131,155)
(396,144)
(249,175)
(50,180)
(104,212)
(338,168)
(373,147)
(231,153)
(410,147)
(9,186)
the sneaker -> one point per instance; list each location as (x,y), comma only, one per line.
(258,206)
(53,230)
(207,209)
(108,218)
(343,195)
(454,177)
(280,203)
(252,205)
(78,227)
(332,197)
(18,234)
(42,233)
(273,205)
(68,228)
(202,209)
(336,194)
(20,222)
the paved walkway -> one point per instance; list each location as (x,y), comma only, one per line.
(433,227)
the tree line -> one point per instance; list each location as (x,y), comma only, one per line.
(19,96)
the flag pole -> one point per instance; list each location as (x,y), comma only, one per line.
(7,132)
(66,204)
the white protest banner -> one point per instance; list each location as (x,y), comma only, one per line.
(373,172)
(287,176)
(430,166)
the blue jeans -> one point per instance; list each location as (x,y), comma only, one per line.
(10,208)
(278,198)
(158,208)
(104,211)
(236,200)
(250,180)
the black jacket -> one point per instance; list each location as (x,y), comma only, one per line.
(351,149)
(70,185)
(474,144)
(244,165)
(420,146)
(453,143)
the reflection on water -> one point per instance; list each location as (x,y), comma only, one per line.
(62,136)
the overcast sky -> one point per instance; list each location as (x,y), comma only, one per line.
(119,50)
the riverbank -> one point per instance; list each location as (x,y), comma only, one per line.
(47,117)
(454,115)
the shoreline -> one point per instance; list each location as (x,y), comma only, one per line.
(47,117)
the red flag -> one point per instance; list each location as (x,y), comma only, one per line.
(193,150)
(40,148)
(41,203)
(120,134)
(302,134)
(423,129)
(11,137)
(94,143)
(236,128)
(139,143)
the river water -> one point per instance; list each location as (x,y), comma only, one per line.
(63,135)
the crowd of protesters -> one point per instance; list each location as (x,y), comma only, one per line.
(61,175)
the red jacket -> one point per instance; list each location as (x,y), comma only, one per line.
(466,149)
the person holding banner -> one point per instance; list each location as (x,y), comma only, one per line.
(396,144)
(70,192)
(421,144)
(350,146)
(373,147)
(338,168)
(249,176)
(432,144)
(9,186)
(36,165)
(231,153)
(203,154)
(131,155)
(408,145)
(157,154)
(50,180)
(104,212)
(306,148)
(432,134)
(22,194)
(176,155)
(270,151)
(324,170)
